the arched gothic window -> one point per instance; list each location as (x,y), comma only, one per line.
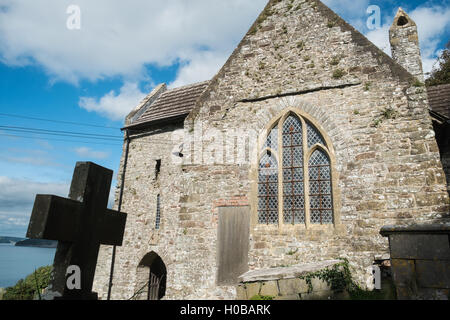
(304,177)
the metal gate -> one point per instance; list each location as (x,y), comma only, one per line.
(153,287)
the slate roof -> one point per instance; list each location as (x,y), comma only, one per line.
(439,99)
(171,104)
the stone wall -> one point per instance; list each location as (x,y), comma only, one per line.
(387,159)
(139,201)
(287,284)
(420,260)
(297,56)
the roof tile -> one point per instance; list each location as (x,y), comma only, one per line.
(172,103)
(439,99)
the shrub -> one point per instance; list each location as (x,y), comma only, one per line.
(338,73)
(31,286)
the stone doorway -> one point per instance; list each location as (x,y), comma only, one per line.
(151,278)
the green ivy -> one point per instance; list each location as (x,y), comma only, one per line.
(338,277)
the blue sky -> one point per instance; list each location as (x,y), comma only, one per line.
(96,74)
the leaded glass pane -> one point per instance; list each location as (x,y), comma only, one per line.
(313,135)
(272,139)
(158,213)
(293,178)
(320,191)
(268,190)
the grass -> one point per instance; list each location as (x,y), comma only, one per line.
(260,297)
(338,73)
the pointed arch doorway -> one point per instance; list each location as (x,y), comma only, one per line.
(151,277)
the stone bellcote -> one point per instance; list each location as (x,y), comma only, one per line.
(405,48)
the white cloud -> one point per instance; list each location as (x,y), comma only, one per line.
(380,37)
(350,7)
(29,156)
(352,11)
(89,153)
(112,105)
(118,38)
(200,67)
(17,196)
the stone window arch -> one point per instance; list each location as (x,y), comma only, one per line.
(151,278)
(296,176)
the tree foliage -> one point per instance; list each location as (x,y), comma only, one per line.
(441,75)
(31,286)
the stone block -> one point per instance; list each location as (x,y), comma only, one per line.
(317,295)
(319,285)
(292,286)
(288,297)
(433,274)
(241,292)
(403,272)
(269,288)
(419,246)
(252,289)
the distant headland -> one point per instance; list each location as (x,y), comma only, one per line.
(10,240)
(24,242)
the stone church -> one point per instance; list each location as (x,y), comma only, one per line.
(305,143)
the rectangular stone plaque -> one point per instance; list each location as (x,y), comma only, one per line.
(233,244)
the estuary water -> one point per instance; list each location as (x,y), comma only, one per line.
(18,262)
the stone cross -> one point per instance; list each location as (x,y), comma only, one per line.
(80,224)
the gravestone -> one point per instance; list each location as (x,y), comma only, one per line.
(80,224)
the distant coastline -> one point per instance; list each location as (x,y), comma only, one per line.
(10,240)
(24,242)
(37,243)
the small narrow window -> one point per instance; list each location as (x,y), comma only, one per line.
(158,212)
(157,168)
(402,21)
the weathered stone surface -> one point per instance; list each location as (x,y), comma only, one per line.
(286,272)
(288,297)
(269,288)
(433,274)
(241,292)
(420,260)
(378,179)
(405,44)
(292,286)
(405,246)
(253,289)
(404,271)
(319,285)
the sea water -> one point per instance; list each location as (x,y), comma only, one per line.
(18,262)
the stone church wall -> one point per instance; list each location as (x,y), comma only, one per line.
(387,160)
(388,164)
(142,187)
